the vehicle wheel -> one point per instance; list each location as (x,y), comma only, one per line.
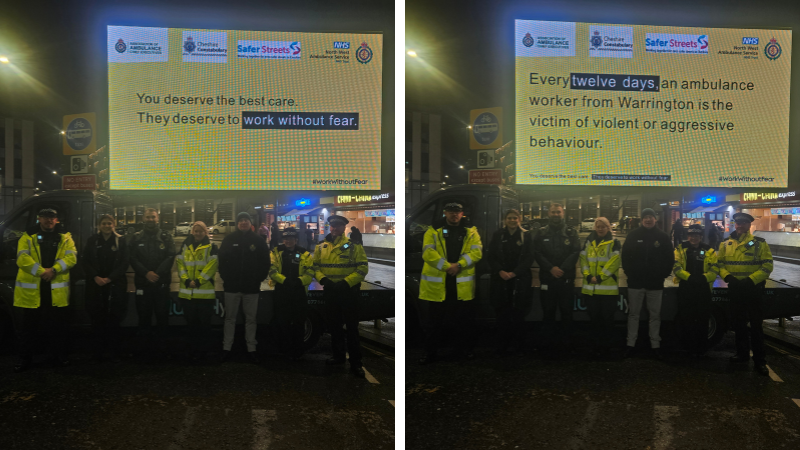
(313,330)
(717,326)
(215,232)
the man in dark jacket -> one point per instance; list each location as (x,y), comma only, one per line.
(647,258)
(243,265)
(677,232)
(105,261)
(152,253)
(556,248)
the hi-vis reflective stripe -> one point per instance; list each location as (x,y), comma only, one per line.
(185,291)
(203,291)
(464,279)
(183,272)
(474,247)
(431,279)
(339,266)
(754,262)
(180,256)
(600,287)
(69,252)
(26,285)
(586,268)
(23,252)
(598,259)
(59,285)
(361,272)
(441,264)
(35,269)
(606,272)
(615,253)
(468,259)
(63,264)
(431,246)
(205,276)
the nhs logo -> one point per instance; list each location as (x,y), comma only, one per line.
(346,45)
(749,41)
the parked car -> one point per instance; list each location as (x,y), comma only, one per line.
(225,226)
(183,228)
(587,224)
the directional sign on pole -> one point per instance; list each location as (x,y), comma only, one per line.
(487,128)
(80,133)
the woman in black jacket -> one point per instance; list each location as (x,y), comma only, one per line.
(510,258)
(105,261)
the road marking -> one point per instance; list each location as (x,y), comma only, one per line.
(263,433)
(370,378)
(390,358)
(188,421)
(784,352)
(582,433)
(796,401)
(664,432)
(392,402)
(774,375)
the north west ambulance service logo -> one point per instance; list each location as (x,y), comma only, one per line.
(773,50)
(596,40)
(189,45)
(121,47)
(364,53)
(527,41)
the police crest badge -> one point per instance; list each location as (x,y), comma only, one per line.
(527,41)
(596,40)
(252,247)
(120,46)
(189,45)
(161,246)
(656,244)
(364,53)
(566,241)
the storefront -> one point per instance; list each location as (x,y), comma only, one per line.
(772,211)
(373,214)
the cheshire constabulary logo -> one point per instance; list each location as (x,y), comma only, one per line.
(773,50)
(120,46)
(596,40)
(189,45)
(527,41)
(252,247)
(364,53)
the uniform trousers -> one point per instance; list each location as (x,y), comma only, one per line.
(341,309)
(694,307)
(106,306)
(512,302)
(198,312)
(636,297)
(747,307)
(47,321)
(453,316)
(290,316)
(249,304)
(153,298)
(557,294)
(601,312)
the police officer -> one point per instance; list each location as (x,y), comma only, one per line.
(451,249)
(41,294)
(340,266)
(556,248)
(197,265)
(291,272)
(600,263)
(695,271)
(745,262)
(105,261)
(152,254)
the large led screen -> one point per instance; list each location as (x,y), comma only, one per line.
(250,110)
(634,105)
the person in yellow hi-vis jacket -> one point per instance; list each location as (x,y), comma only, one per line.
(340,266)
(451,248)
(745,262)
(197,265)
(600,263)
(291,272)
(695,271)
(41,293)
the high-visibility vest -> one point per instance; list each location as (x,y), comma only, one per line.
(602,261)
(197,262)
(340,260)
(748,256)
(29,260)
(304,260)
(710,269)
(434,253)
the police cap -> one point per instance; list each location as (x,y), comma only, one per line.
(47,212)
(456,207)
(290,232)
(742,217)
(335,220)
(695,228)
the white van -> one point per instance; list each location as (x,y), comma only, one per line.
(225,226)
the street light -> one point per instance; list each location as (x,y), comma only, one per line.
(460,167)
(412,53)
(62,132)
(4,60)
(55,173)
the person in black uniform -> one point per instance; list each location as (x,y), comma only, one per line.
(152,254)
(355,236)
(105,261)
(677,232)
(510,258)
(695,263)
(556,248)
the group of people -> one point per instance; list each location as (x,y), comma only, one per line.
(452,248)
(46,253)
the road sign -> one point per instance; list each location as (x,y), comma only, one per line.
(493,176)
(80,134)
(486,159)
(487,128)
(79,182)
(79,164)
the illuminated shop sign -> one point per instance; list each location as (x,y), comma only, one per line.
(708,199)
(379,213)
(784,211)
(753,197)
(341,200)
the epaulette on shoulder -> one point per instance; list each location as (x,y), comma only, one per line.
(760,239)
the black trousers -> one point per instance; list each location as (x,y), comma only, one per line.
(290,317)
(694,308)
(601,312)
(341,308)
(198,312)
(153,299)
(512,302)
(747,306)
(106,306)
(46,322)
(451,317)
(559,295)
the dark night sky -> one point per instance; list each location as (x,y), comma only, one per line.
(468,52)
(59,50)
